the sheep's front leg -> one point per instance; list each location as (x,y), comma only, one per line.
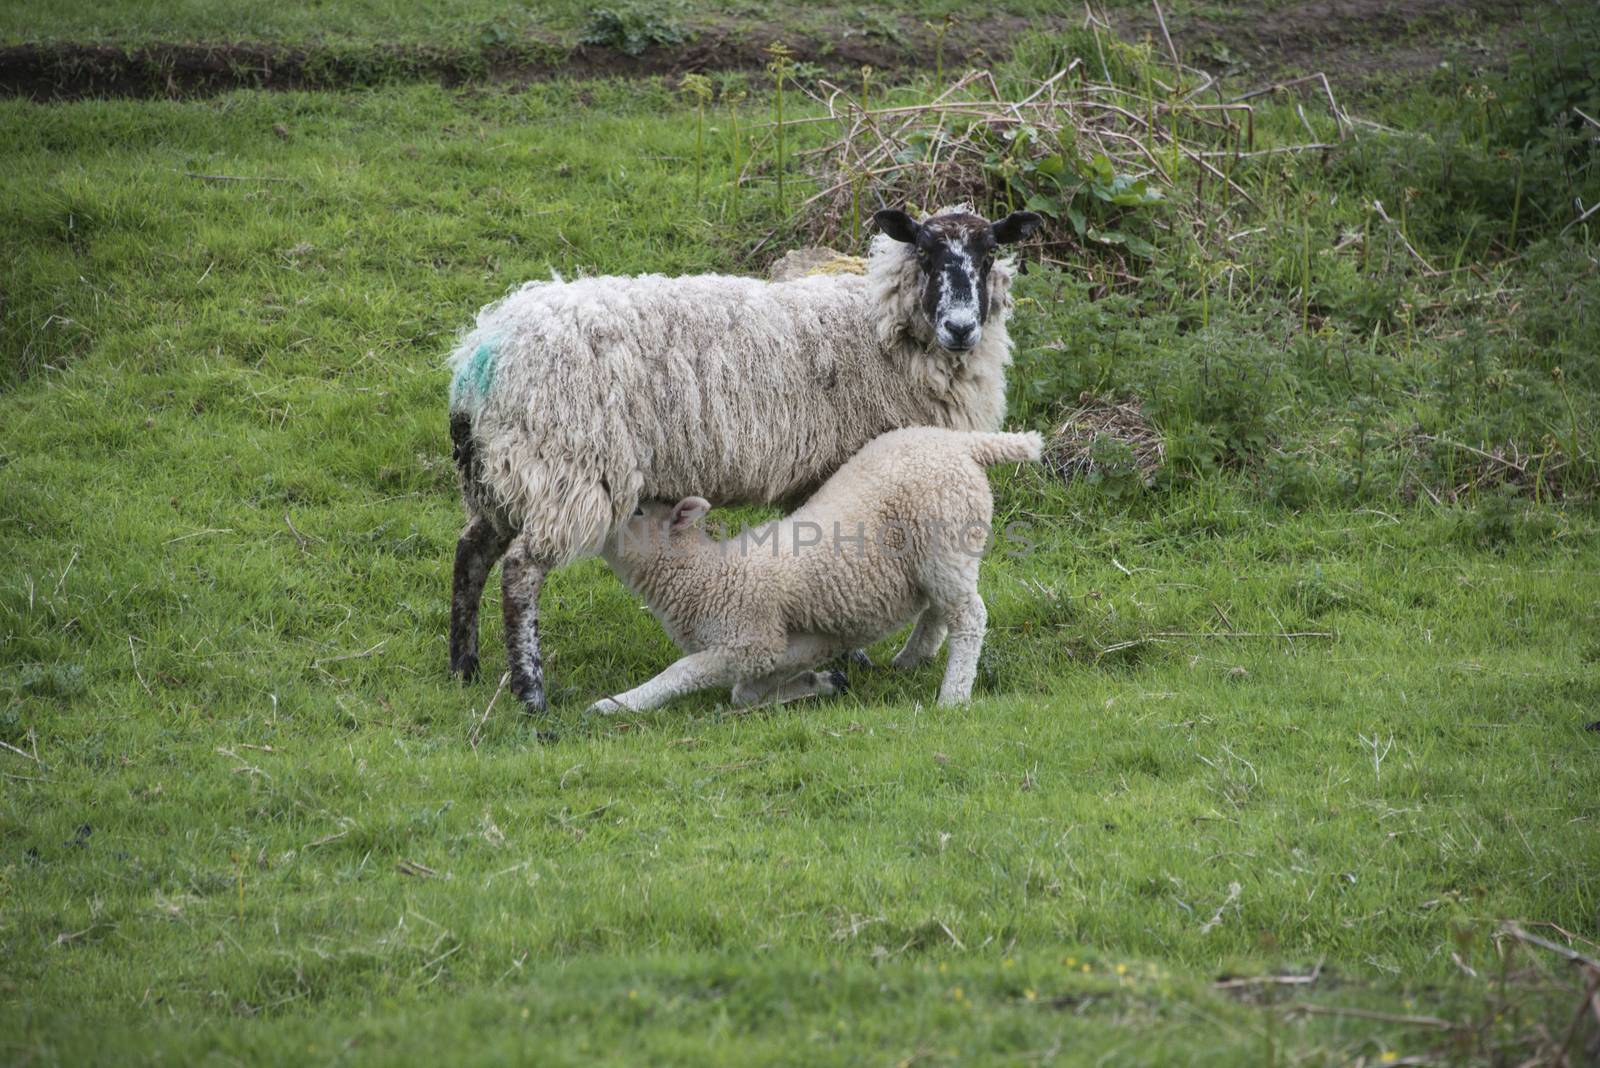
(481,544)
(925,639)
(522,577)
(697,671)
(967,621)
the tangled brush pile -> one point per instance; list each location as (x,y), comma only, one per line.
(1115,157)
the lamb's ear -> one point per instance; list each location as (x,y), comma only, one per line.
(689,511)
(898,225)
(1015,227)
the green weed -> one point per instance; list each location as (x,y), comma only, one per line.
(631,30)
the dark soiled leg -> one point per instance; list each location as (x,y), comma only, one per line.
(477,550)
(522,577)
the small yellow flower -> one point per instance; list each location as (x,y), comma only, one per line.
(1389,1056)
(524,1012)
(1030,994)
(1122,969)
(1008,962)
(1085,968)
(633,995)
(943,967)
(957,993)
(1069,961)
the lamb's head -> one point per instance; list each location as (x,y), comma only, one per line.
(955,254)
(656,530)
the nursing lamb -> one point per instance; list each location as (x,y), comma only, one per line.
(895,535)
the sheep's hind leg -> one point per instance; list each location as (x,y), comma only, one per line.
(697,671)
(924,641)
(522,577)
(481,544)
(967,620)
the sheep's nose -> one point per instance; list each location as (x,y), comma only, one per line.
(960,333)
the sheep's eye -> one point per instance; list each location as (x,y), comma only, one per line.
(638,511)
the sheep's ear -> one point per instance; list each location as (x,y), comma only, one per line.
(689,511)
(1016,226)
(898,225)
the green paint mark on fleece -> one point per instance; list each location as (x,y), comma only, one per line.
(473,377)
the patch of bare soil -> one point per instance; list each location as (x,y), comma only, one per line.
(1346,39)
(67,71)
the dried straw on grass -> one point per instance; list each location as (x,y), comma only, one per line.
(1072,450)
(1548,472)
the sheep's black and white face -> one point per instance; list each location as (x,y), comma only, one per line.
(955,252)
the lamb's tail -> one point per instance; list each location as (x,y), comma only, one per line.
(989,449)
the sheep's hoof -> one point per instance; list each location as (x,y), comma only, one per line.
(837,682)
(1595,726)
(607,706)
(530,691)
(859,658)
(467,668)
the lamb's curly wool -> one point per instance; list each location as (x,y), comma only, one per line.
(572,401)
(896,534)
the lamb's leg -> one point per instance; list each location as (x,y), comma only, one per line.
(521,578)
(477,550)
(784,683)
(781,686)
(924,641)
(967,620)
(697,671)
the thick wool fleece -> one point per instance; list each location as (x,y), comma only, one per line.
(896,534)
(583,398)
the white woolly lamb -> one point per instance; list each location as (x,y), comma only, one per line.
(896,534)
(573,401)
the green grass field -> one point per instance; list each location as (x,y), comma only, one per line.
(1313,703)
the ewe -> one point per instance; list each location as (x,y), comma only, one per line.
(573,401)
(896,534)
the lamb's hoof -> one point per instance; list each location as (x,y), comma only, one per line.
(837,682)
(859,658)
(606,706)
(1595,726)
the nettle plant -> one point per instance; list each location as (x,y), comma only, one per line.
(1099,203)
